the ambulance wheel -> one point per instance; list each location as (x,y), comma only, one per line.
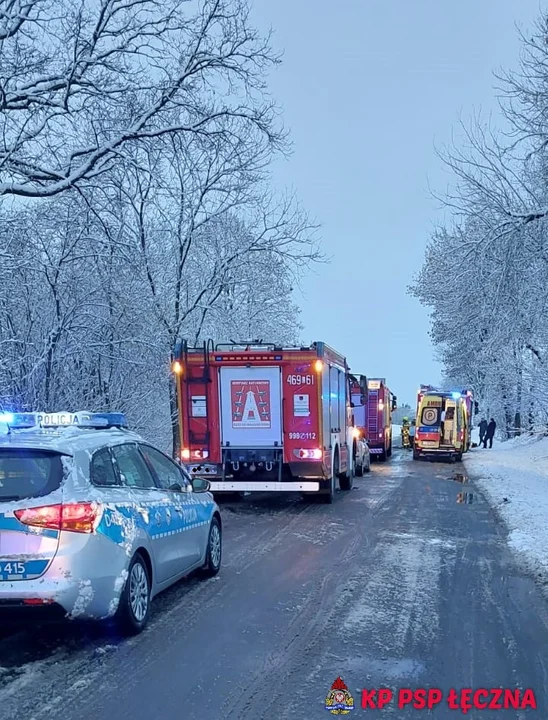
(416,454)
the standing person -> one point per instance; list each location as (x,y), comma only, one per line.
(490,434)
(482,429)
(412,431)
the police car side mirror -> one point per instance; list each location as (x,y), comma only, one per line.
(200,484)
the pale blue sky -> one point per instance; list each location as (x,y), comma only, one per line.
(368,89)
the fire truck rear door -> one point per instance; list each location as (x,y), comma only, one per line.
(251,406)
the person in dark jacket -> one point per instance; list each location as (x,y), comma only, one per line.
(490,434)
(483,429)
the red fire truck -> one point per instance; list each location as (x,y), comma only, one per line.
(259,418)
(380,405)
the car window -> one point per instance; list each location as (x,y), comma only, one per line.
(102,471)
(132,467)
(186,475)
(29,473)
(165,470)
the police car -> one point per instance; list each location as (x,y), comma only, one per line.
(94,521)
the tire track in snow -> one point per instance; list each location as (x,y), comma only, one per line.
(255,698)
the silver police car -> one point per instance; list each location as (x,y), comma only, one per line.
(94,521)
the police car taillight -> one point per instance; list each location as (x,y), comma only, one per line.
(73,517)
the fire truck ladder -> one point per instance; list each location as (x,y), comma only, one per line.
(194,438)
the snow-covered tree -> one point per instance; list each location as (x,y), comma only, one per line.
(485,274)
(85,82)
(136,142)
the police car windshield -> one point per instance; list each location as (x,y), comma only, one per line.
(28,473)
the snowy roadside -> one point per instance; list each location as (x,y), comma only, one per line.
(514,478)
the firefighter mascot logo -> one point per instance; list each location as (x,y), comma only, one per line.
(339,701)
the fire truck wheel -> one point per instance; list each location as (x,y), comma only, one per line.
(389,453)
(329,496)
(346,479)
(346,483)
(382,456)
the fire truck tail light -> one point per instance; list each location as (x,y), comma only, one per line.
(356,433)
(305,454)
(381,405)
(318,366)
(177,367)
(185,454)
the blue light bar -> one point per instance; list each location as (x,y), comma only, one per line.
(58,420)
(19,420)
(456,395)
(102,420)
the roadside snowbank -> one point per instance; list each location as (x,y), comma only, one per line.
(514,478)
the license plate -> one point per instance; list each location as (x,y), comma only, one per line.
(10,569)
(429,443)
(16,570)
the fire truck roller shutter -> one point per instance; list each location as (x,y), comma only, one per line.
(251,406)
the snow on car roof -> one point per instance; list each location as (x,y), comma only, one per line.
(67,440)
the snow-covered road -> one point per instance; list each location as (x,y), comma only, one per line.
(397,584)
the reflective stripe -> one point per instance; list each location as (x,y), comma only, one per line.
(158,518)
(264,486)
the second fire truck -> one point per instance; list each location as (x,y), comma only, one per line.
(380,405)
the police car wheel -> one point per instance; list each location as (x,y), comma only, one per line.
(134,607)
(214,550)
